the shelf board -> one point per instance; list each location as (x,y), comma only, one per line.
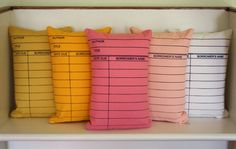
(39,129)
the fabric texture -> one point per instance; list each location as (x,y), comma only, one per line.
(119,80)
(207,64)
(32,73)
(70,56)
(167,74)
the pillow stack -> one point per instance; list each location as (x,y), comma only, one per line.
(118,81)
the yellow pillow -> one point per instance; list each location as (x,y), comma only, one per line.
(70,55)
(32,73)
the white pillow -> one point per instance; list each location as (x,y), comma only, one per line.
(206,73)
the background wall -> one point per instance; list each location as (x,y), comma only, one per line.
(4,3)
(233,3)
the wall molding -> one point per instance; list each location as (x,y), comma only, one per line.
(4,9)
(9,8)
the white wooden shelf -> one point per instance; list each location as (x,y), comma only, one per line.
(38,129)
(197,129)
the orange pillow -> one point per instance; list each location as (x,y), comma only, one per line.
(70,56)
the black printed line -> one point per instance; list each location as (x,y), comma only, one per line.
(32,77)
(125,39)
(36,108)
(67,36)
(118,69)
(38,50)
(210,39)
(29,42)
(71,95)
(166,97)
(178,59)
(32,62)
(116,47)
(71,71)
(208,65)
(206,80)
(208,58)
(120,77)
(119,110)
(108,104)
(71,63)
(207,73)
(35,85)
(36,100)
(71,111)
(71,51)
(73,117)
(53,43)
(125,102)
(33,92)
(204,102)
(119,85)
(28,87)
(71,79)
(121,93)
(167,74)
(207,46)
(71,87)
(167,82)
(156,45)
(166,89)
(120,118)
(189,82)
(206,95)
(173,38)
(156,53)
(73,103)
(167,104)
(127,60)
(205,88)
(34,70)
(26,35)
(168,112)
(202,54)
(167,66)
(207,109)
(122,125)
(119,55)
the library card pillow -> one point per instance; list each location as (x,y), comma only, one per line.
(32,73)
(207,63)
(70,56)
(167,73)
(119,80)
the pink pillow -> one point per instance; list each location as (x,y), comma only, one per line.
(167,75)
(119,80)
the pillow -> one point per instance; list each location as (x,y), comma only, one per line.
(167,73)
(71,74)
(119,80)
(207,63)
(32,73)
